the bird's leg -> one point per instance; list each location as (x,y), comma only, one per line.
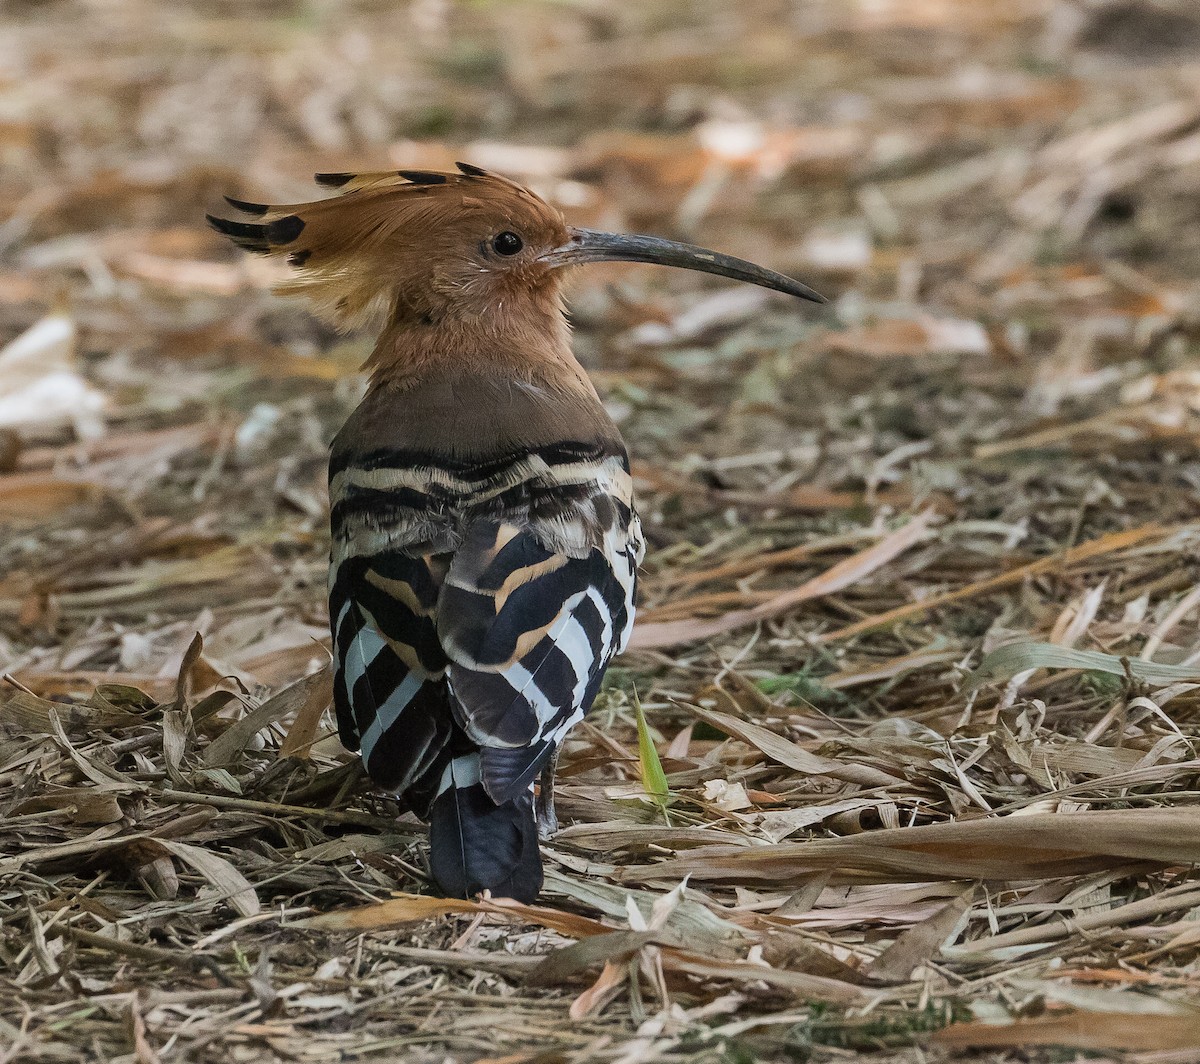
(547,819)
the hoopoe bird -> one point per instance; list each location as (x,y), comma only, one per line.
(485,544)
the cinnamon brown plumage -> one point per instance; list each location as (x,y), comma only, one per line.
(485,544)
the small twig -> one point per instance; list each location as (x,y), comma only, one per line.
(501,963)
(333,816)
(136,950)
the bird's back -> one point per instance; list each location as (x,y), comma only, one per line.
(482,577)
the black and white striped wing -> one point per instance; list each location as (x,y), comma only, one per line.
(389,666)
(528,633)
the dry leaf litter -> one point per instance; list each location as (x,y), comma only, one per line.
(919,652)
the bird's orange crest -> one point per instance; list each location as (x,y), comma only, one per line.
(415,244)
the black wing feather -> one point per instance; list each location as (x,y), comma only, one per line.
(388,666)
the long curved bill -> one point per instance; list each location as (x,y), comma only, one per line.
(590,245)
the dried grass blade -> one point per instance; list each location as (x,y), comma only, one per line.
(395,912)
(846,572)
(410,908)
(802,984)
(690,917)
(770,559)
(562,964)
(1175,899)
(30,713)
(1106,544)
(303,731)
(38,495)
(229,744)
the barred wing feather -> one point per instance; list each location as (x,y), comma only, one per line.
(388,665)
(528,633)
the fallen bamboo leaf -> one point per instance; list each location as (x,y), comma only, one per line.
(802,984)
(308,690)
(690,918)
(1038,846)
(153,869)
(161,444)
(87,805)
(1079,1030)
(143,1051)
(410,908)
(606,987)
(912,338)
(300,735)
(1013,658)
(777,825)
(1183,897)
(609,836)
(191,675)
(29,495)
(616,946)
(29,713)
(886,670)
(76,682)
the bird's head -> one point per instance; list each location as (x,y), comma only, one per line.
(459,248)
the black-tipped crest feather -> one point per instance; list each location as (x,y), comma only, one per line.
(422,177)
(246,207)
(258,237)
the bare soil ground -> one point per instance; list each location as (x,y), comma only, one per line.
(919,649)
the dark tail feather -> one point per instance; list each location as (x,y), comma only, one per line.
(476,845)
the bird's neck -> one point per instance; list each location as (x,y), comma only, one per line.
(524,342)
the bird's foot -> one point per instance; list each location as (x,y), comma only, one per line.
(543,804)
(547,818)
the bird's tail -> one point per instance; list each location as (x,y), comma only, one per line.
(477,845)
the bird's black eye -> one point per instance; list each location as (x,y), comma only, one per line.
(507,243)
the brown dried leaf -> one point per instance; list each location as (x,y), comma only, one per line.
(1079,1030)
(409,908)
(922,941)
(788,753)
(38,495)
(615,947)
(233,887)
(912,338)
(1039,846)
(312,690)
(308,717)
(30,714)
